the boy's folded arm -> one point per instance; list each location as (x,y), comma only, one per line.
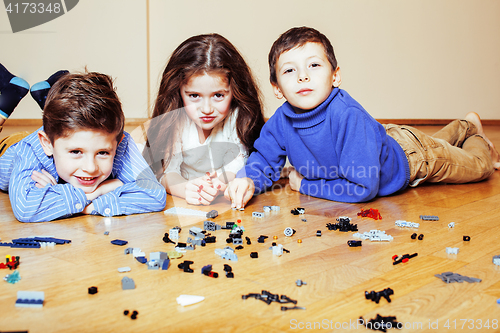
(140,196)
(140,192)
(33,204)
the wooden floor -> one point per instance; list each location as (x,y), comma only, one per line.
(337,276)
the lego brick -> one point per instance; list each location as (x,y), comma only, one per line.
(127,283)
(429,217)
(184,211)
(119,242)
(32,299)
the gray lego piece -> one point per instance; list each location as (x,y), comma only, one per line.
(127,283)
(211,226)
(450,277)
(429,217)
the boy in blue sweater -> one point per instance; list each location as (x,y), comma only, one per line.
(81,160)
(337,150)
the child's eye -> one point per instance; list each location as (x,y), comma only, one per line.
(315,65)
(75,152)
(289,70)
(219,96)
(194,96)
(103,153)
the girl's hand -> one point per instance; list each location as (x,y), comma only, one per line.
(240,191)
(294,179)
(43,178)
(219,185)
(200,191)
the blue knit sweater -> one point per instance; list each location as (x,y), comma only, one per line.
(342,152)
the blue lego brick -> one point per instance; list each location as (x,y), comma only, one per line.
(119,242)
(26,246)
(52,240)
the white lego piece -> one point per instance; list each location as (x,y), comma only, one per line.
(266,209)
(124,269)
(275,208)
(189,299)
(374,235)
(258,214)
(136,252)
(226,253)
(173,233)
(401,223)
(452,250)
(185,211)
(154,264)
(47,244)
(288,232)
(496,260)
(451,225)
(154,256)
(278,250)
(197,232)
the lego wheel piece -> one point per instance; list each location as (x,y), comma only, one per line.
(289,232)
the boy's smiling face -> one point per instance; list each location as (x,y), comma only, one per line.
(84,158)
(305,76)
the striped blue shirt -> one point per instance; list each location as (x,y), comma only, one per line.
(140,192)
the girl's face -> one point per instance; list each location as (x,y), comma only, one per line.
(207,100)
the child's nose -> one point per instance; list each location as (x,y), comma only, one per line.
(206,107)
(90,165)
(304,78)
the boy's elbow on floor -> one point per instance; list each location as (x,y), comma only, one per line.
(23,217)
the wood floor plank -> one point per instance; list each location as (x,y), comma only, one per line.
(337,276)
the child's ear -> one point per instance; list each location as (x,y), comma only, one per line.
(46,144)
(277,91)
(337,79)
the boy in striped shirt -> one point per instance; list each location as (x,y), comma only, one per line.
(81,160)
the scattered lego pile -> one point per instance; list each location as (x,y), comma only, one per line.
(199,237)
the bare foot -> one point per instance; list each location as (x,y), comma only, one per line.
(495,156)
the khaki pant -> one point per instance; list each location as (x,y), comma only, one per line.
(11,139)
(455,154)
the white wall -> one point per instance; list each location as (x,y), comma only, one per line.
(106,36)
(436,59)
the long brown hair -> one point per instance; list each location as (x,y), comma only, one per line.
(210,54)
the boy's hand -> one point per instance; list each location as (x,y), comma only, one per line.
(294,179)
(43,178)
(88,210)
(104,187)
(240,191)
(200,191)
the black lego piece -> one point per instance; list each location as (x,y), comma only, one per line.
(185,266)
